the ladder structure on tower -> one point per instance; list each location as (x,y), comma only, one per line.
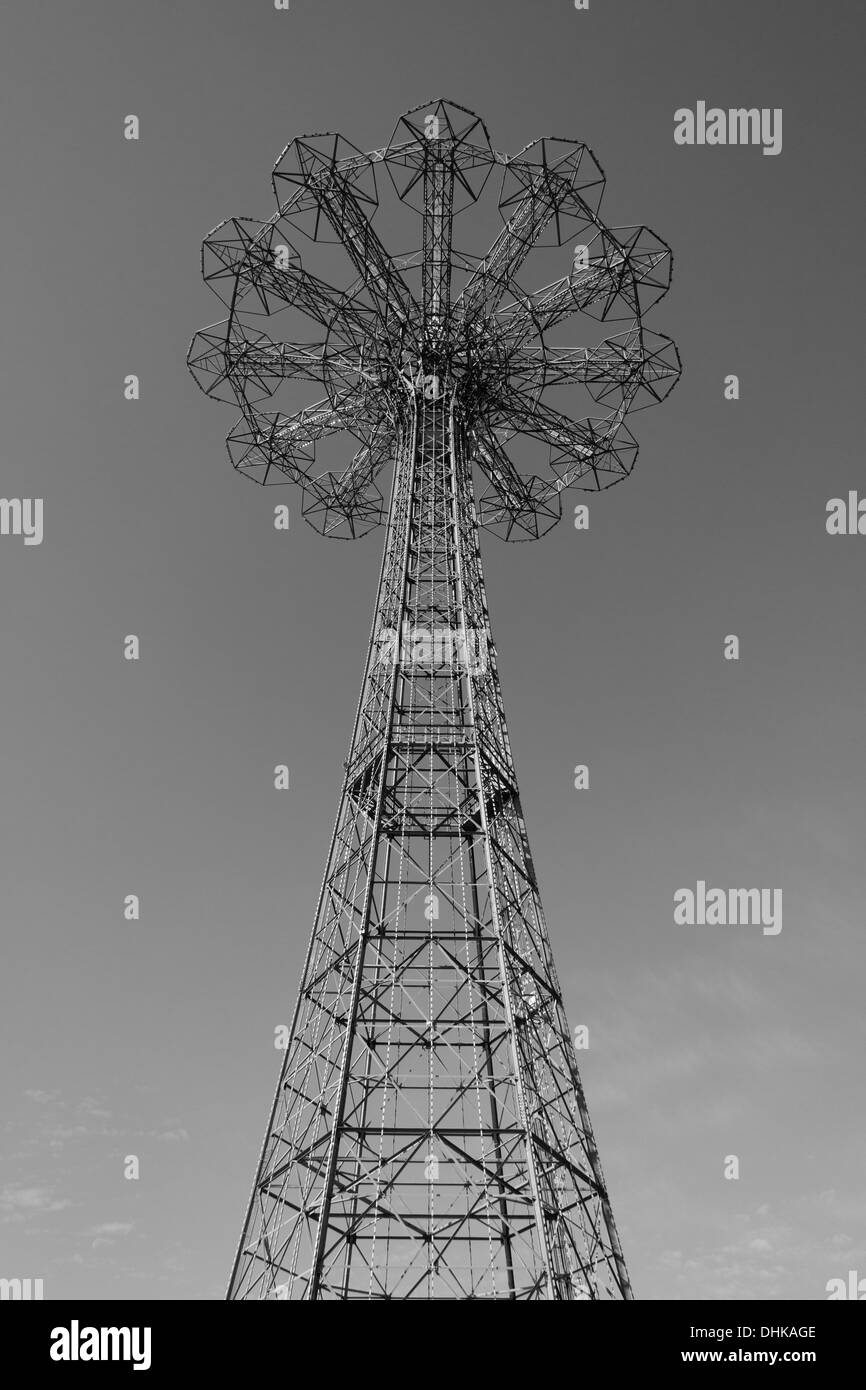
(429,1136)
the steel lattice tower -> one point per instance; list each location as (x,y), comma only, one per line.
(429,1136)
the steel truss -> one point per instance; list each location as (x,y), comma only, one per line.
(429,1136)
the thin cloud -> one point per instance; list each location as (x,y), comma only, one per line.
(20,1202)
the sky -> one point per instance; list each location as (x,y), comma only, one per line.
(154,1038)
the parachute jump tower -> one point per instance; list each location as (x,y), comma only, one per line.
(429,1137)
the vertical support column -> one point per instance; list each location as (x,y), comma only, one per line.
(405,485)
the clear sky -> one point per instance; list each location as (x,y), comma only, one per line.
(155,1038)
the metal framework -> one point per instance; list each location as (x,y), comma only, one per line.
(429,1136)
